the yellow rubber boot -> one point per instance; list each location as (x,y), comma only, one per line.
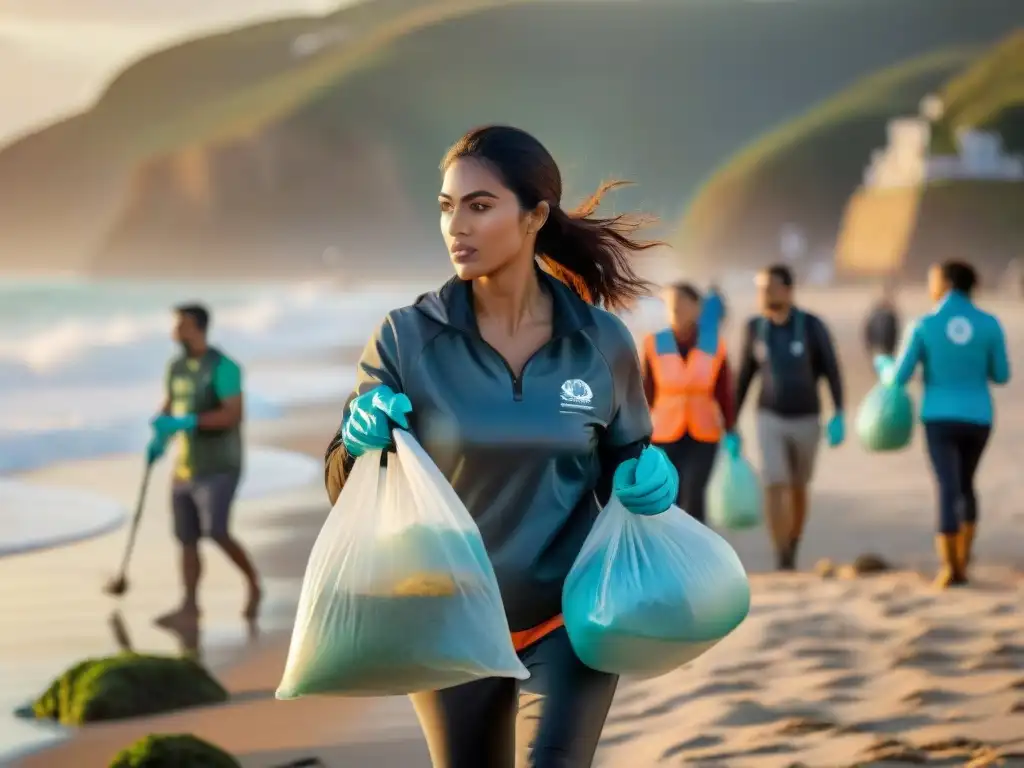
(950,573)
(964,544)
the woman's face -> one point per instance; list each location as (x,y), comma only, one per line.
(482,223)
(937,285)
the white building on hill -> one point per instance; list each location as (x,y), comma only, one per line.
(906,160)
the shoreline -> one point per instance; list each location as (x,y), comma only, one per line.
(278,528)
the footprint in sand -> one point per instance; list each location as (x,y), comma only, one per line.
(743,669)
(892,751)
(829,657)
(746,712)
(925,658)
(902,608)
(841,697)
(621,738)
(708,690)
(1003,609)
(690,745)
(653,710)
(891,724)
(1001,656)
(803,726)
(725,686)
(844,681)
(927,697)
(942,633)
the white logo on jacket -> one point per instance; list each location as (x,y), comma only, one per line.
(959,330)
(576,395)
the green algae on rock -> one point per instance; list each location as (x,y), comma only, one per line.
(172,751)
(126,685)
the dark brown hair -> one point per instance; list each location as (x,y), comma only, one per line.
(780,272)
(590,254)
(960,275)
(689,290)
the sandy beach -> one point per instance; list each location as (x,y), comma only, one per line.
(836,670)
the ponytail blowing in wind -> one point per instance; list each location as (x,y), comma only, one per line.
(591,254)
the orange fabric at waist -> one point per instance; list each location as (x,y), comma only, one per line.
(524,639)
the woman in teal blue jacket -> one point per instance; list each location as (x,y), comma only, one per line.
(962,350)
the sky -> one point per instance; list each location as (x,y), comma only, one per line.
(64,52)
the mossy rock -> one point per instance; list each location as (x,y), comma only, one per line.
(127,685)
(173,751)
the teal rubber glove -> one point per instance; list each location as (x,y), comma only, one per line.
(156,448)
(733,444)
(368,426)
(836,430)
(648,485)
(165,426)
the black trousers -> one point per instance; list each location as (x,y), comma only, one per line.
(694,461)
(557,723)
(955,449)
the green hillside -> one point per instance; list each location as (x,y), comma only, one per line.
(233,145)
(987,95)
(805,170)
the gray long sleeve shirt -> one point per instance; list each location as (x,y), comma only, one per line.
(530,455)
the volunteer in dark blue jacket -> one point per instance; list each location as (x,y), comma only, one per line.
(791,350)
(529,399)
(961,350)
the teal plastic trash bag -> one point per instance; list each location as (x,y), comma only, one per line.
(885,419)
(399,594)
(734,500)
(648,594)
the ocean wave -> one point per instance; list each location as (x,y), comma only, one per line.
(82,364)
(68,333)
(42,426)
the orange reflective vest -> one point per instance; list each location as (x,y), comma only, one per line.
(684,390)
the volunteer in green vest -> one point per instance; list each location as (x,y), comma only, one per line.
(203,411)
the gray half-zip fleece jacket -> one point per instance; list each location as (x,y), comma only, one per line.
(529,456)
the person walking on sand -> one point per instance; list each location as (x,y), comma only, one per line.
(882,328)
(203,408)
(792,351)
(961,351)
(528,397)
(689,386)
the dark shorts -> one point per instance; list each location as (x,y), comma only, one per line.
(202,506)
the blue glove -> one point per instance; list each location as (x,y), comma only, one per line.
(836,430)
(368,426)
(165,427)
(733,444)
(648,485)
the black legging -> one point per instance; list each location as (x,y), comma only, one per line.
(556,724)
(694,461)
(955,448)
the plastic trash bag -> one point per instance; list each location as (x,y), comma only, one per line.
(885,419)
(734,500)
(649,594)
(399,594)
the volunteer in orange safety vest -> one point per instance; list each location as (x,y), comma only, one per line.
(689,387)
